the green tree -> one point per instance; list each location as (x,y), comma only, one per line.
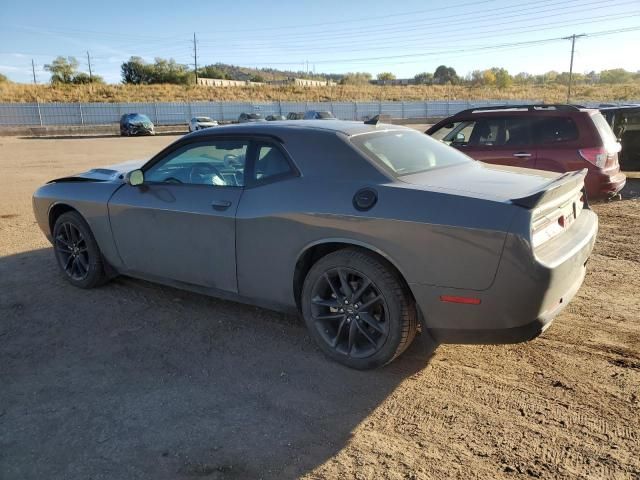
(136,71)
(257,78)
(616,75)
(82,78)
(503,79)
(62,69)
(445,75)
(424,78)
(3,78)
(355,78)
(213,71)
(385,76)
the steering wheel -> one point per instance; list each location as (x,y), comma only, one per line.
(233,161)
(206,174)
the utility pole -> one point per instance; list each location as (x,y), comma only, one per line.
(573,46)
(195,56)
(89,63)
(33,69)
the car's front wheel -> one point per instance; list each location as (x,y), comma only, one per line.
(77,252)
(357,309)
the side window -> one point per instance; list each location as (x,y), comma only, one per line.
(517,131)
(270,162)
(487,132)
(555,129)
(214,162)
(455,133)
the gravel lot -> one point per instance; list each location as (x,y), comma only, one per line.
(135,380)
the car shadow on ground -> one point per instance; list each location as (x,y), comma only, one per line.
(134,380)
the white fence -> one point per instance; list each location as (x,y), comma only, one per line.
(45,114)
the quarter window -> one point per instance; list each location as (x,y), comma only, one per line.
(270,162)
(218,163)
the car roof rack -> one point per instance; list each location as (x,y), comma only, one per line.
(561,107)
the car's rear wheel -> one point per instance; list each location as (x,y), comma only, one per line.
(357,309)
(77,252)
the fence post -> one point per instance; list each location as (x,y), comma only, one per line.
(155,112)
(279,107)
(355,110)
(81,116)
(426,109)
(403,109)
(39,112)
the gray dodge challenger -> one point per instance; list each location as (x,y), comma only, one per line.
(372,231)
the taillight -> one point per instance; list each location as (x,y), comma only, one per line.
(596,156)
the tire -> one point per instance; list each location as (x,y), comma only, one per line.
(370,325)
(77,252)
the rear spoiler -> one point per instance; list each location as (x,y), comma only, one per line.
(553,190)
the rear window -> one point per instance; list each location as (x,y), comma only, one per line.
(406,152)
(603,128)
(325,115)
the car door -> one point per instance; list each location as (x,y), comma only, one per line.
(501,140)
(179,224)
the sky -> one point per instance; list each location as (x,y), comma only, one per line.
(333,36)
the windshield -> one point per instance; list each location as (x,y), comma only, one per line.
(406,152)
(137,117)
(255,116)
(325,115)
(203,119)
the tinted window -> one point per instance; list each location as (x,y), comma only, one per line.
(215,162)
(137,117)
(271,162)
(406,152)
(555,129)
(603,128)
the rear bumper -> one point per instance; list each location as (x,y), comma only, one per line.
(601,185)
(528,292)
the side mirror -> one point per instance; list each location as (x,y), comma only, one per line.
(135,178)
(460,137)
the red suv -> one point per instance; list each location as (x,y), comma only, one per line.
(560,138)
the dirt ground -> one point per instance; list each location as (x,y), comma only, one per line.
(134,380)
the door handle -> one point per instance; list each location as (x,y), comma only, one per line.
(221,204)
(522,155)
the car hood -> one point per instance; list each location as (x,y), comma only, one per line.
(103,174)
(490,182)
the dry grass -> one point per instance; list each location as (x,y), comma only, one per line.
(20,93)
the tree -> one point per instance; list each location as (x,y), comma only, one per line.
(616,75)
(136,71)
(82,78)
(424,78)
(3,78)
(257,78)
(488,77)
(445,75)
(62,69)
(212,71)
(503,79)
(523,78)
(355,78)
(385,76)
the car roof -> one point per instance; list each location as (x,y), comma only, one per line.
(278,128)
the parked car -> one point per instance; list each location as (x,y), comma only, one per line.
(558,138)
(318,115)
(295,115)
(412,229)
(275,118)
(250,118)
(136,124)
(198,123)
(624,120)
